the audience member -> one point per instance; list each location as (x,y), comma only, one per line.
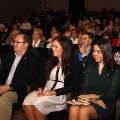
(111,29)
(111,23)
(11,37)
(62,76)
(87,28)
(18,23)
(70,28)
(116,41)
(26,25)
(79,27)
(93,24)
(101,87)
(98,30)
(117,29)
(85,19)
(37,23)
(52,31)
(55,34)
(108,36)
(104,24)
(48,25)
(83,26)
(117,57)
(67,23)
(96,19)
(19,70)
(37,38)
(74,36)
(84,52)
(9,25)
(117,21)
(15,27)
(3,33)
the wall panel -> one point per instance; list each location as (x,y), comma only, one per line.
(18,7)
(58,4)
(99,4)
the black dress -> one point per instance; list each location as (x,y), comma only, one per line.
(104,85)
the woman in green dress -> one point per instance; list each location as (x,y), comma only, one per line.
(101,87)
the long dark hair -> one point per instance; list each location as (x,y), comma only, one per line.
(66,57)
(108,58)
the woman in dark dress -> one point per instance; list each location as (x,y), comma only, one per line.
(101,87)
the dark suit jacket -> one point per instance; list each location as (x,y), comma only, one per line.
(86,59)
(25,73)
(72,83)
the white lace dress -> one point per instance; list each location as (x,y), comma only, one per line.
(47,104)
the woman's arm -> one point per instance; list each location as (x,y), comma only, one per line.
(89,96)
(40,91)
(74,81)
(111,94)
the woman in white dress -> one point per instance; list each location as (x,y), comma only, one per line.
(62,75)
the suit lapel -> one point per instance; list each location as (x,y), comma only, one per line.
(23,59)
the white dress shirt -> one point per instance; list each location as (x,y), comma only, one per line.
(13,68)
(36,44)
(26,26)
(75,41)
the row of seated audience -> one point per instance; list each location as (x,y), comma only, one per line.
(40,41)
(98,23)
(62,74)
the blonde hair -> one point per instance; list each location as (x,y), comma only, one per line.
(40,32)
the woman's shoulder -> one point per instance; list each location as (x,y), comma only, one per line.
(92,66)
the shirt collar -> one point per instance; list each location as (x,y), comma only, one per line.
(18,56)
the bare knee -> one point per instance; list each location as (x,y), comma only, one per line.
(74,109)
(82,111)
(86,113)
(73,113)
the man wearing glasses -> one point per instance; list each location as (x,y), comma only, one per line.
(19,70)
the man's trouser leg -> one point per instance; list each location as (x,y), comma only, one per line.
(6,101)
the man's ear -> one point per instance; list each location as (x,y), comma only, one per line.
(26,45)
(90,41)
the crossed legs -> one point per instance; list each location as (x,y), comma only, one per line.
(82,113)
(32,113)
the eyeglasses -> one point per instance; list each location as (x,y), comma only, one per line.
(18,42)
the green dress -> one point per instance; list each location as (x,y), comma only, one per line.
(104,85)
